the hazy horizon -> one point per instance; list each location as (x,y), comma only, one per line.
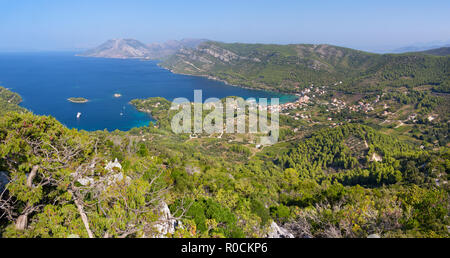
(74,26)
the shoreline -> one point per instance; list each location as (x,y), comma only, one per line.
(207,77)
(295,96)
(233,85)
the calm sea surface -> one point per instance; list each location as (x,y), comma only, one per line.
(46,80)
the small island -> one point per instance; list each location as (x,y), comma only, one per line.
(77,100)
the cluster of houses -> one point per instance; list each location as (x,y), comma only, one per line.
(337,104)
(305,96)
(361,106)
(366,107)
(301,102)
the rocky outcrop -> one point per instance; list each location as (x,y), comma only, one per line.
(116,178)
(112,166)
(208,54)
(85,181)
(219,53)
(373,236)
(376,157)
(115,175)
(167,224)
(276,231)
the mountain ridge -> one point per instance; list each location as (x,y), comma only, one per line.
(442,51)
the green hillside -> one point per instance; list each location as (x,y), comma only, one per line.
(345,165)
(9,101)
(443,51)
(326,185)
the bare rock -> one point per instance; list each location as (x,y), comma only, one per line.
(376,157)
(113,177)
(111,166)
(116,178)
(84,181)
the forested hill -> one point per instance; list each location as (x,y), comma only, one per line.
(289,68)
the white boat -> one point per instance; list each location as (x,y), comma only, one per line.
(78,115)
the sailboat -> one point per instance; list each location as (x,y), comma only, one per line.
(78,115)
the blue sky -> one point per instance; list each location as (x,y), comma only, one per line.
(370,25)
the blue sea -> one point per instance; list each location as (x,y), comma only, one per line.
(46,80)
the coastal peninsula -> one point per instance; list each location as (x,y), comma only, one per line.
(78,100)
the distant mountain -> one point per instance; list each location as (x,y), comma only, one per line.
(443,51)
(289,68)
(119,48)
(131,48)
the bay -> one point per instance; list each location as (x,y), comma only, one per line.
(45,80)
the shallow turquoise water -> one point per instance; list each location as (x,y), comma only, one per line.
(46,80)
